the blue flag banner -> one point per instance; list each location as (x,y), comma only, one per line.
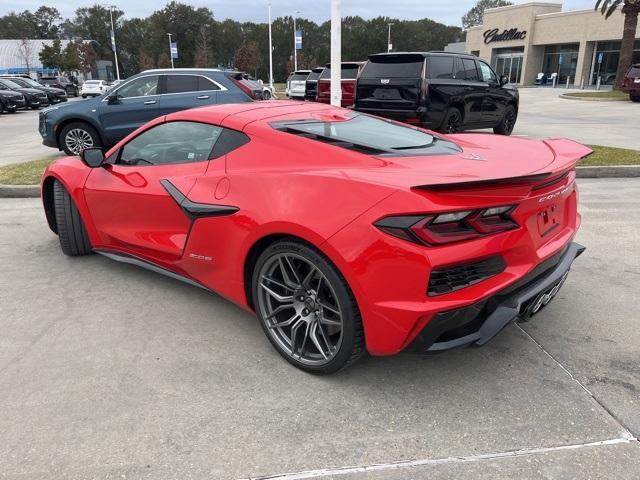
(298,39)
(113,41)
(174,50)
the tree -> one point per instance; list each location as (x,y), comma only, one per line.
(46,22)
(145,62)
(630,10)
(51,55)
(248,58)
(474,16)
(201,55)
(80,55)
(25,52)
(164,61)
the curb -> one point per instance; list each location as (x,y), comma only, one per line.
(19,191)
(568,96)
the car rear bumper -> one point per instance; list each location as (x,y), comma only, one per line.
(478,323)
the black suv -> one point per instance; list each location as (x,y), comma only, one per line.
(439,90)
(311,84)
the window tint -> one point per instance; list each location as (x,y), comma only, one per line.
(181,83)
(634,72)
(20,82)
(9,84)
(393,67)
(140,87)
(173,142)
(313,76)
(440,67)
(348,72)
(470,70)
(488,74)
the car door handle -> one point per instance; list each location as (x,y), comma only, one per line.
(202,97)
(150,102)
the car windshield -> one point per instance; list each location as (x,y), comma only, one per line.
(9,83)
(348,71)
(31,82)
(370,134)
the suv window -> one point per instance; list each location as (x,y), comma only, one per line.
(394,67)
(470,70)
(488,75)
(634,71)
(188,83)
(440,66)
(348,72)
(173,142)
(140,87)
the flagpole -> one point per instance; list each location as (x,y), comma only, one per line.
(170,53)
(113,42)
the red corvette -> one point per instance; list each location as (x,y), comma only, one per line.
(343,232)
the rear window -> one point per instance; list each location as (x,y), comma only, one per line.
(393,67)
(634,71)
(370,135)
(299,76)
(314,76)
(440,67)
(349,72)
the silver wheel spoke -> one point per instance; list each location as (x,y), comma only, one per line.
(285,274)
(327,321)
(325,338)
(286,323)
(316,342)
(276,282)
(277,296)
(329,307)
(279,309)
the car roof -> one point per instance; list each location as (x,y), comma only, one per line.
(183,70)
(297,72)
(421,54)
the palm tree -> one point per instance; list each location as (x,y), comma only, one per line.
(630,10)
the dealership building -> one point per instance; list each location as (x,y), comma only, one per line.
(525,40)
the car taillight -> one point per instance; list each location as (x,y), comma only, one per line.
(255,95)
(449,227)
(324,88)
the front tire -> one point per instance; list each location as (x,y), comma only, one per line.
(306,308)
(508,121)
(634,98)
(72,233)
(452,122)
(77,136)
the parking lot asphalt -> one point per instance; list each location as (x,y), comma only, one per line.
(111,371)
(542,114)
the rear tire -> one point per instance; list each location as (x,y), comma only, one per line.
(634,98)
(327,320)
(508,121)
(452,122)
(72,233)
(77,136)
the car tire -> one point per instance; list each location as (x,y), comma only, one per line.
(72,233)
(634,98)
(2,109)
(327,318)
(266,95)
(452,122)
(508,121)
(77,136)
(84,96)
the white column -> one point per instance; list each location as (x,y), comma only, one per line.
(270,51)
(336,52)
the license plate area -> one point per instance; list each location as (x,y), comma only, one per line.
(549,219)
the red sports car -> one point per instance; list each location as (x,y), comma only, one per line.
(343,232)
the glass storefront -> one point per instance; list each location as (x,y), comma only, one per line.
(608,67)
(562,60)
(508,62)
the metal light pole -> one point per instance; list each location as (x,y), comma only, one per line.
(295,50)
(113,41)
(270,51)
(389,39)
(170,54)
(336,52)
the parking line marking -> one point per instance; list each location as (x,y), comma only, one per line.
(523,452)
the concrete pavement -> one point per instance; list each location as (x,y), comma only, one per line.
(111,371)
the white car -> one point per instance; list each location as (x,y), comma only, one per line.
(93,88)
(296,84)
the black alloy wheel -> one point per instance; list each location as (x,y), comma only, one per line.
(452,121)
(508,121)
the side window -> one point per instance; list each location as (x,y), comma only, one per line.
(488,74)
(140,87)
(229,140)
(181,84)
(173,142)
(206,85)
(440,67)
(470,70)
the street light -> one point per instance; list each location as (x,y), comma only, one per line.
(170,53)
(113,40)
(270,51)
(295,50)
(389,39)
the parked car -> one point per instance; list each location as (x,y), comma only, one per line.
(69,85)
(103,121)
(11,101)
(631,83)
(55,95)
(385,238)
(93,88)
(311,84)
(296,84)
(442,91)
(34,99)
(349,74)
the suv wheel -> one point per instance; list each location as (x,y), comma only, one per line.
(634,98)
(306,308)
(452,121)
(77,136)
(505,127)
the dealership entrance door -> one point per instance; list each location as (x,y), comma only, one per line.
(508,62)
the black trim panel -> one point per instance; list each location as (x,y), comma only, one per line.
(193,209)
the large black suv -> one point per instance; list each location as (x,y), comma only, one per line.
(439,90)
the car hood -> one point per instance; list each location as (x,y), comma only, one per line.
(31,91)
(84,106)
(10,93)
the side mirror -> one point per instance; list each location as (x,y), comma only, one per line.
(113,98)
(503,80)
(92,157)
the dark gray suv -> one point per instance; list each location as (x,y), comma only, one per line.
(104,120)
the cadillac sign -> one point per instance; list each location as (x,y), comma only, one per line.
(495,35)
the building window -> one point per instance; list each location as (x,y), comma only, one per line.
(607,69)
(562,60)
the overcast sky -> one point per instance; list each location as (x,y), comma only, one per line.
(445,11)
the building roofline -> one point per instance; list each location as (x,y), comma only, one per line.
(569,12)
(522,5)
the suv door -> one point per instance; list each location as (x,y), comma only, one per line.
(128,107)
(474,90)
(182,91)
(495,97)
(133,198)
